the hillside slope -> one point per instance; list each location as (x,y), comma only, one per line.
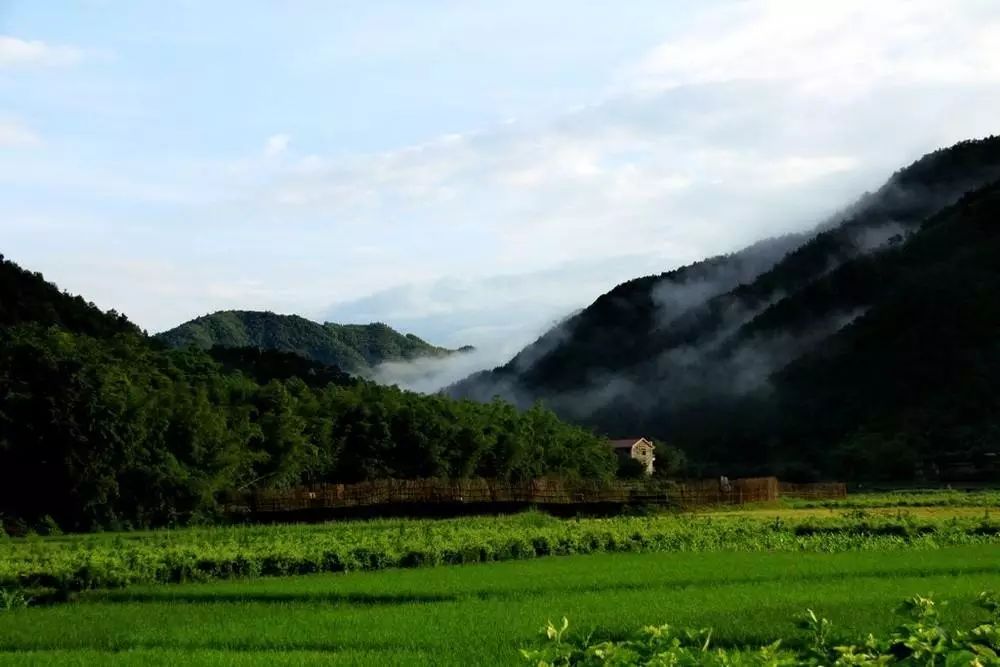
(914,383)
(26,296)
(356,348)
(690,356)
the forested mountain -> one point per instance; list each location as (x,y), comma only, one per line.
(914,381)
(102,426)
(356,348)
(706,356)
(26,296)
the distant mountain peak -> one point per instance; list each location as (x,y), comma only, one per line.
(356,348)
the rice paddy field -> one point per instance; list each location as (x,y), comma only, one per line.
(473,591)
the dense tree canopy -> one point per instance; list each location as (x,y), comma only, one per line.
(105,431)
(103,426)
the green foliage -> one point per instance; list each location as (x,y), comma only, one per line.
(11,599)
(653,645)
(262,366)
(923,641)
(104,560)
(48,526)
(356,348)
(629,468)
(117,431)
(986,498)
(671,462)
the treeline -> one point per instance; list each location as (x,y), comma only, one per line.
(115,430)
(110,432)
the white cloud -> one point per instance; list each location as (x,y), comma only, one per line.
(16,52)
(761,121)
(832,48)
(430,374)
(276,144)
(14,134)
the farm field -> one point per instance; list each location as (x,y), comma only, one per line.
(65,564)
(433,592)
(482,614)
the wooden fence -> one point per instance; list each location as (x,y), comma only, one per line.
(470,491)
(542,492)
(708,492)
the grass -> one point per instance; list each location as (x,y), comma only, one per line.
(906,498)
(747,573)
(931,512)
(481,614)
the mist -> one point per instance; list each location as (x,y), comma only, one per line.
(428,375)
(721,328)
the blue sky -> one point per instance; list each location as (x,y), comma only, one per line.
(470,171)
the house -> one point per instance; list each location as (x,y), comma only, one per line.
(639,449)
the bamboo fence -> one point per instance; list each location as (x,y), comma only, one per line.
(546,491)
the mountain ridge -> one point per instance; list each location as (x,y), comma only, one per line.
(356,348)
(670,354)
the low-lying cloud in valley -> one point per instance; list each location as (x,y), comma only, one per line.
(430,374)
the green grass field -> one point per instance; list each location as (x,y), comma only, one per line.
(908,498)
(481,614)
(747,573)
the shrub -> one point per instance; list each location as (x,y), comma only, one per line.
(13,599)
(48,526)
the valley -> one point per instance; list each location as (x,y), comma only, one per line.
(643,334)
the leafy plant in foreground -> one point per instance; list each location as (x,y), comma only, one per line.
(924,640)
(13,599)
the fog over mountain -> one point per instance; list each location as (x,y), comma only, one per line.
(672,353)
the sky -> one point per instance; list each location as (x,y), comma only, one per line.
(467,171)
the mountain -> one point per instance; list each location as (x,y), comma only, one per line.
(913,383)
(26,296)
(26,299)
(356,348)
(707,356)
